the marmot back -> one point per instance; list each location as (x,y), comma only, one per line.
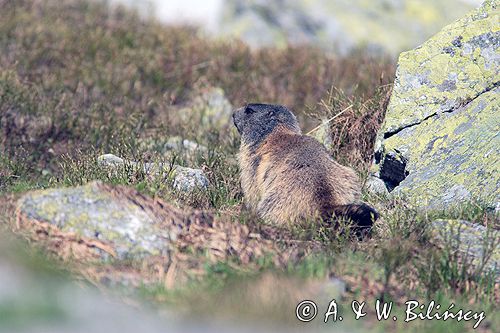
(288,177)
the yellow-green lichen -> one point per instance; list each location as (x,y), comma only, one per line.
(91,211)
(460,148)
(442,122)
(469,48)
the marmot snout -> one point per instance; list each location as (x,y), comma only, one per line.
(288,177)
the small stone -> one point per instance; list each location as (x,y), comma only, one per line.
(184,179)
(187,179)
(376,186)
(173,145)
(334,288)
(179,144)
(110,160)
(324,135)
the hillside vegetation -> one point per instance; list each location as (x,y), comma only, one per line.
(78,79)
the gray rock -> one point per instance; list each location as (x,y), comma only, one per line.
(389,26)
(179,144)
(187,179)
(333,288)
(439,143)
(474,242)
(175,145)
(110,160)
(209,108)
(91,212)
(184,179)
(376,186)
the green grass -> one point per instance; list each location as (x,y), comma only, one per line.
(104,81)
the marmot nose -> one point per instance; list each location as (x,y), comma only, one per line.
(237,118)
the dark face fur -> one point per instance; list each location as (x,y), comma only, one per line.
(255,121)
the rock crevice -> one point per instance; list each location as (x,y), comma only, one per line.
(390,133)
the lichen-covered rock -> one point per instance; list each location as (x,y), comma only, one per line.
(475,243)
(439,143)
(93,212)
(342,25)
(184,179)
(152,241)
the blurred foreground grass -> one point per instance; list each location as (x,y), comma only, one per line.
(78,79)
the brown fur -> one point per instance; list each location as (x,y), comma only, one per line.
(290,177)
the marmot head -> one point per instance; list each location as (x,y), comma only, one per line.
(255,121)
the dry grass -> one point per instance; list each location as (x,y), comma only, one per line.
(78,80)
(76,76)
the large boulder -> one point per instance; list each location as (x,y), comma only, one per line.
(146,240)
(439,144)
(388,26)
(117,225)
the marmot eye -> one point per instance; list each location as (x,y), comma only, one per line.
(249,110)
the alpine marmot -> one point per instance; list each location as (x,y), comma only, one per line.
(288,177)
